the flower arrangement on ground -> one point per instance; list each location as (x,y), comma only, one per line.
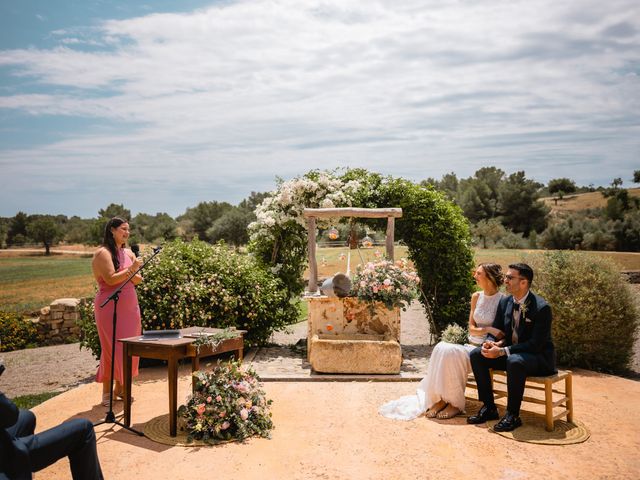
(391,283)
(228,404)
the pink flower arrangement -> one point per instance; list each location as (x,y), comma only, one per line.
(240,410)
(391,283)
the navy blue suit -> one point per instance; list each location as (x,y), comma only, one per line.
(533,355)
(22,452)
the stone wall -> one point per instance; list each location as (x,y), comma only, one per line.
(57,323)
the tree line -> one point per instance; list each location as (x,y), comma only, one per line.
(506,211)
(503,211)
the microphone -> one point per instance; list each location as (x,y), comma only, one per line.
(157,249)
(135,248)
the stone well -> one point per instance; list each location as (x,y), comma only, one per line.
(347,335)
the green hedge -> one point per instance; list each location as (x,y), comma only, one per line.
(198,284)
(595,318)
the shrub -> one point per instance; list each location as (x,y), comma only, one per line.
(197,284)
(16,333)
(595,319)
(89,337)
(228,403)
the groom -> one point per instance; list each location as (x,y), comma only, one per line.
(526,349)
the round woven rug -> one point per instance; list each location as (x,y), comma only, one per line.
(533,429)
(157,429)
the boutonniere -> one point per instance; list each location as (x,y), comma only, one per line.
(524,308)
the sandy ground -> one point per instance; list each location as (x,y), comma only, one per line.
(331,430)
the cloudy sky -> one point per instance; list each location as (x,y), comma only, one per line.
(166,103)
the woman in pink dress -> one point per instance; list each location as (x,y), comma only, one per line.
(112,265)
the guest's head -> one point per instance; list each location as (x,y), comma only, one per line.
(488,276)
(116,233)
(518,279)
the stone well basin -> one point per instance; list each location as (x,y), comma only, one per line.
(355,353)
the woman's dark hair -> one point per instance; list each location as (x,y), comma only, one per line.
(110,243)
(524,270)
(493,271)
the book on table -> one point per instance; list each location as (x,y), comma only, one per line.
(160,334)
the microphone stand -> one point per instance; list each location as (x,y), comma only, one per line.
(111,417)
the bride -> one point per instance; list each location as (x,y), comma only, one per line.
(441,392)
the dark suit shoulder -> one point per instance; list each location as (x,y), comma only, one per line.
(540,302)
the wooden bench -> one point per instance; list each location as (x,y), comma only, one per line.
(565,401)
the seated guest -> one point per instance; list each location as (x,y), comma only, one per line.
(23,452)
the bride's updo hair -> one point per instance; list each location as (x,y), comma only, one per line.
(493,271)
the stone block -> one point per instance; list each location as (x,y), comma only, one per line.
(65,302)
(56,323)
(68,324)
(71,315)
(355,353)
(45,310)
(56,315)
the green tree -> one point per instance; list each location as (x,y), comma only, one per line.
(627,232)
(78,230)
(448,184)
(488,231)
(114,210)
(153,228)
(17,233)
(561,186)
(520,207)
(636,176)
(479,196)
(231,227)
(44,229)
(197,220)
(252,201)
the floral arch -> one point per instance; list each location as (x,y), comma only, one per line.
(433,228)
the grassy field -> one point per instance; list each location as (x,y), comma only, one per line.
(28,283)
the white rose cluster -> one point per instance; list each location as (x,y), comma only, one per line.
(288,202)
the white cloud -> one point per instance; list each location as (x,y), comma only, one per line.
(254,89)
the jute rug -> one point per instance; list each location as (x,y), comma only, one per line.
(533,428)
(157,429)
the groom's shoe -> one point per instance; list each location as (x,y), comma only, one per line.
(485,413)
(508,423)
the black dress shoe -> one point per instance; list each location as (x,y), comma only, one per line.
(485,413)
(508,423)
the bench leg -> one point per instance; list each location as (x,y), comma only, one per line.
(568,389)
(548,405)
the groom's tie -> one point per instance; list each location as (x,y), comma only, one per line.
(516,322)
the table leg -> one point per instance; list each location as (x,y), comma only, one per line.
(195,366)
(127,363)
(173,394)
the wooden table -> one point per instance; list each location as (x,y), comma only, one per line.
(172,350)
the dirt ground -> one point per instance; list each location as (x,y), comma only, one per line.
(331,430)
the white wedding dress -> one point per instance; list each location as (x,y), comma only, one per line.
(447,371)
